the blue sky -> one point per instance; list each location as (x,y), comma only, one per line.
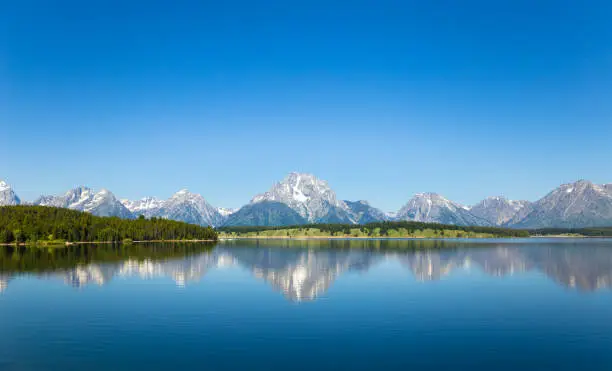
(381,98)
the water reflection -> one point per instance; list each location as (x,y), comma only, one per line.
(305,269)
(302,270)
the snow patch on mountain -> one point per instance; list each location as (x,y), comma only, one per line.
(147,206)
(226,212)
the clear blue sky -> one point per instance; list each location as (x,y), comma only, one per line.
(381,98)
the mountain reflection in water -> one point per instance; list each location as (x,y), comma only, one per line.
(303,270)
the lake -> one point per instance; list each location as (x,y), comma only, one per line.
(309,305)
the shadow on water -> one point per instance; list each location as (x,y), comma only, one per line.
(303,270)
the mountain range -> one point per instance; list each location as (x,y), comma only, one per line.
(303,198)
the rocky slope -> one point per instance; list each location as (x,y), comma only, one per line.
(572,205)
(498,210)
(265,213)
(362,212)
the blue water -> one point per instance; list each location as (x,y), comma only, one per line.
(310,305)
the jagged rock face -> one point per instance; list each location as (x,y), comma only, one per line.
(265,213)
(73,199)
(310,197)
(497,210)
(520,215)
(363,213)
(7,195)
(103,203)
(572,205)
(148,206)
(433,208)
(190,208)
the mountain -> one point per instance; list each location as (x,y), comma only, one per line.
(226,212)
(73,199)
(183,206)
(102,203)
(7,195)
(265,213)
(310,197)
(433,208)
(190,208)
(572,205)
(148,206)
(363,213)
(497,210)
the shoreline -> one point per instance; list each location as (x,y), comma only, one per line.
(70,243)
(388,238)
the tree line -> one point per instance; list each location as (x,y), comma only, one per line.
(27,223)
(384,228)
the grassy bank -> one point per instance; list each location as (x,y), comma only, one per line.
(372,230)
(355,233)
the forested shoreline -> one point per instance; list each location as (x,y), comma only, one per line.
(33,224)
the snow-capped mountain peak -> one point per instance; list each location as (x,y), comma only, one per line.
(498,210)
(7,195)
(434,208)
(102,203)
(191,208)
(78,198)
(309,196)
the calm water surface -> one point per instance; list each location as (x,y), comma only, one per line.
(309,305)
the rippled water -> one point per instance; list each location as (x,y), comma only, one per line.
(317,304)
